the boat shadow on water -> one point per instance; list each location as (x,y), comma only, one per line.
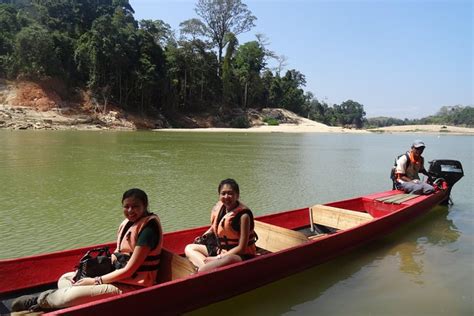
(407,244)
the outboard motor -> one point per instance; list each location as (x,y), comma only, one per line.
(449,171)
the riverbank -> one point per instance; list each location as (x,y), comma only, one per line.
(425,129)
(51,106)
(303,127)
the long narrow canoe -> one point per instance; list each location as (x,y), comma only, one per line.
(288,242)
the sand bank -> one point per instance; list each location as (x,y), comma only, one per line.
(303,126)
(427,129)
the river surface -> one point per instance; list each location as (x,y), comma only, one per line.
(62,189)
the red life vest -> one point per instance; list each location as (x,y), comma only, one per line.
(126,242)
(227,229)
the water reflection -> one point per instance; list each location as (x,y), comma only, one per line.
(434,229)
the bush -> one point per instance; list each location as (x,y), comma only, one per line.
(240,122)
(271,121)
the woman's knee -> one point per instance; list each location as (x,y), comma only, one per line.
(66,280)
(195,249)
(189,249)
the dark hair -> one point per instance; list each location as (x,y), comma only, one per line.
(138,194)
(231,182)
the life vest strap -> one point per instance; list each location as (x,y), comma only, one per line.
(153,258)
(227,244)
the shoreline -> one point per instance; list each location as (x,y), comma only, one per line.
(425,129)
(302,128)
(282,128)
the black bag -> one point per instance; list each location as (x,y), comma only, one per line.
(93,266)
(210,241)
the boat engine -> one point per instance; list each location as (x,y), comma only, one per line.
(448,170)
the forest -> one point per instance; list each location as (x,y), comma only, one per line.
(147,67)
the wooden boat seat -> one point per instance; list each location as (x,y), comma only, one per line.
(397,198)
(275,238)
(173,266)
(337,217)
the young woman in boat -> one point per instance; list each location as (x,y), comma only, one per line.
(232,223)
(139,244)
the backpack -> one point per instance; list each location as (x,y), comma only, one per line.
(393,176)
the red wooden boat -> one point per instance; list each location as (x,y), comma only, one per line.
(288,242)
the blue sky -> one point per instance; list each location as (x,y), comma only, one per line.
(399,58)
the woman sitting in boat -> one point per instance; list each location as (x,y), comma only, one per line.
(232,223)
(139,244)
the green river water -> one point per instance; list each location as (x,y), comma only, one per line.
(62,189)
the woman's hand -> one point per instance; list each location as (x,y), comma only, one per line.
(85,281)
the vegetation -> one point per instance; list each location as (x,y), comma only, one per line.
(448,115)
(146,67)
(271,121)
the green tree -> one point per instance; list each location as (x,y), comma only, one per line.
(350,113)
(150,73)
(192,78)
(9,26)
(293,97)
(249,61)
(220,17)
(159,30)
(228,77)
(34,51)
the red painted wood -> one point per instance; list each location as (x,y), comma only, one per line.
(202,289)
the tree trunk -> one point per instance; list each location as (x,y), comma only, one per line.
(245,94)
(185,87)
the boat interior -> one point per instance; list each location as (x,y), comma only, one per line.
(326,219)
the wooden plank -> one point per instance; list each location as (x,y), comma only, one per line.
(407,198)
(173,266)
(397,199)
(275,238)
(337,217)
(404,198)
(181,267)
(385,198)
(316,236)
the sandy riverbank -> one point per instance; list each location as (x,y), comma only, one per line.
(426,129)
(304,126)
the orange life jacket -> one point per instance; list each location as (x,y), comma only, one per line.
(413,166)
(126,242)
(226,226)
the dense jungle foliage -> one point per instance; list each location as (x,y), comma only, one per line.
(147,67)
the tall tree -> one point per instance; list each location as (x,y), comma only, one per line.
(249,61)
(350,112)
(228,90)
(221,17)
(159,30)
(293,97)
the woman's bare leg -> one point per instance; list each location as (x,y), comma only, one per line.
(226,260)
(196,254)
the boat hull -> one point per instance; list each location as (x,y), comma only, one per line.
(194,291)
